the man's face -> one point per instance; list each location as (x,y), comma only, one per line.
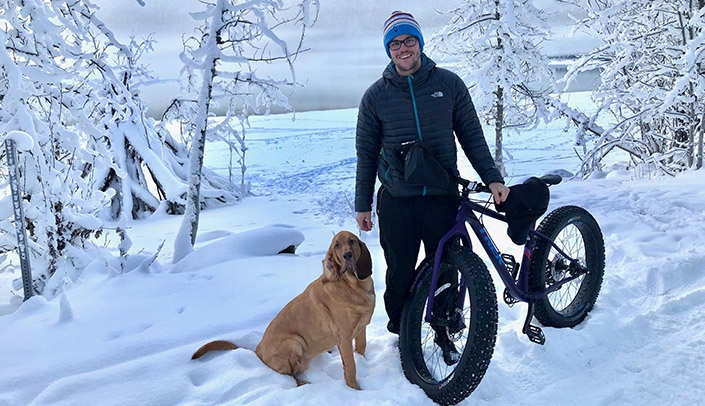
(407,60)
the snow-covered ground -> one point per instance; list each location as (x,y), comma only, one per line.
(126,339)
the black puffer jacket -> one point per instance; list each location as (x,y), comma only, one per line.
(396,111)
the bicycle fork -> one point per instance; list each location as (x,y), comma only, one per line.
(457,230)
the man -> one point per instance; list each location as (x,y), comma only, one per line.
(415,102)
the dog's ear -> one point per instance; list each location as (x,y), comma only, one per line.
(330,268)
(363,266)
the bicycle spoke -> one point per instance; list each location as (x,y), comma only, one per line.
(433,355)
(571,242)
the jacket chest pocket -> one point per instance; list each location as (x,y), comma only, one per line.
(435,110)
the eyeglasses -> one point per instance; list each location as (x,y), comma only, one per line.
(408,41)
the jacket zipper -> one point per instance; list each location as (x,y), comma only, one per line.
(416,116)
(413,103)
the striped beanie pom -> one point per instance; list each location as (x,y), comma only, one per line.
(401,23)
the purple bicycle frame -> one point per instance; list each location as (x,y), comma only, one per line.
(519,289)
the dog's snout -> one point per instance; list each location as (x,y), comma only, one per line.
(347,255)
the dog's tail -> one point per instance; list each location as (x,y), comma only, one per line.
(218,345)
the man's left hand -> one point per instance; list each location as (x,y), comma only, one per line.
(499,191)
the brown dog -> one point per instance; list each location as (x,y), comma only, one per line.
(333,310)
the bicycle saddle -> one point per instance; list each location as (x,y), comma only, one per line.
(551,179)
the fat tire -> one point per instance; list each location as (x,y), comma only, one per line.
(576,232)
(477,339)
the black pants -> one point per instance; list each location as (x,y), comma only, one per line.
(403,224)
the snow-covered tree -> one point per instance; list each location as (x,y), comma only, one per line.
(67,82)
(236,40)
(652,68)
(38,89)
(146,167)
(496,48)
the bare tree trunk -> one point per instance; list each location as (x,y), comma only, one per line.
(186,238)
(243,168)
(197,152)
(498,122)
(699,157)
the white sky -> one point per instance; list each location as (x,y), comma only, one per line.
(346,53)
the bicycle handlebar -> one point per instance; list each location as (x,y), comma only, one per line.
(472,186)
(469,186)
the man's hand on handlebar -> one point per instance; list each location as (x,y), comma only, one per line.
(499,191)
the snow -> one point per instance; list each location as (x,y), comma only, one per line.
(126,338)
(23,141)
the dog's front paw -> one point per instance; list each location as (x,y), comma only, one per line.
(354,385)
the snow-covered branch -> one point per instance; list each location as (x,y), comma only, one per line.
(236,39)
(652,77)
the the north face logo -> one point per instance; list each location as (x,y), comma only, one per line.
(437,94)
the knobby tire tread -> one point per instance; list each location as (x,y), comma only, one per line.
(482,327)
(593,241)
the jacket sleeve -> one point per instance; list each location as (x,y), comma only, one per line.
(468,129)
(368,141)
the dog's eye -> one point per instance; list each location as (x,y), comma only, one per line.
(337,245)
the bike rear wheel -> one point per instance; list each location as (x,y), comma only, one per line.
(467,295)
(577,234)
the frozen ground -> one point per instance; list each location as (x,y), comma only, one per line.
(126,339)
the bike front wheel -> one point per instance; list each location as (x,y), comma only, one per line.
(577,234)
(464,311)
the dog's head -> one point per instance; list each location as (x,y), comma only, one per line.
(347,256)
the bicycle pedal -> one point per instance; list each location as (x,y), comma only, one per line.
(509,299)
(511,265)
(535,335)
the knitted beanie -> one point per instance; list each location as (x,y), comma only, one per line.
(401,23)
